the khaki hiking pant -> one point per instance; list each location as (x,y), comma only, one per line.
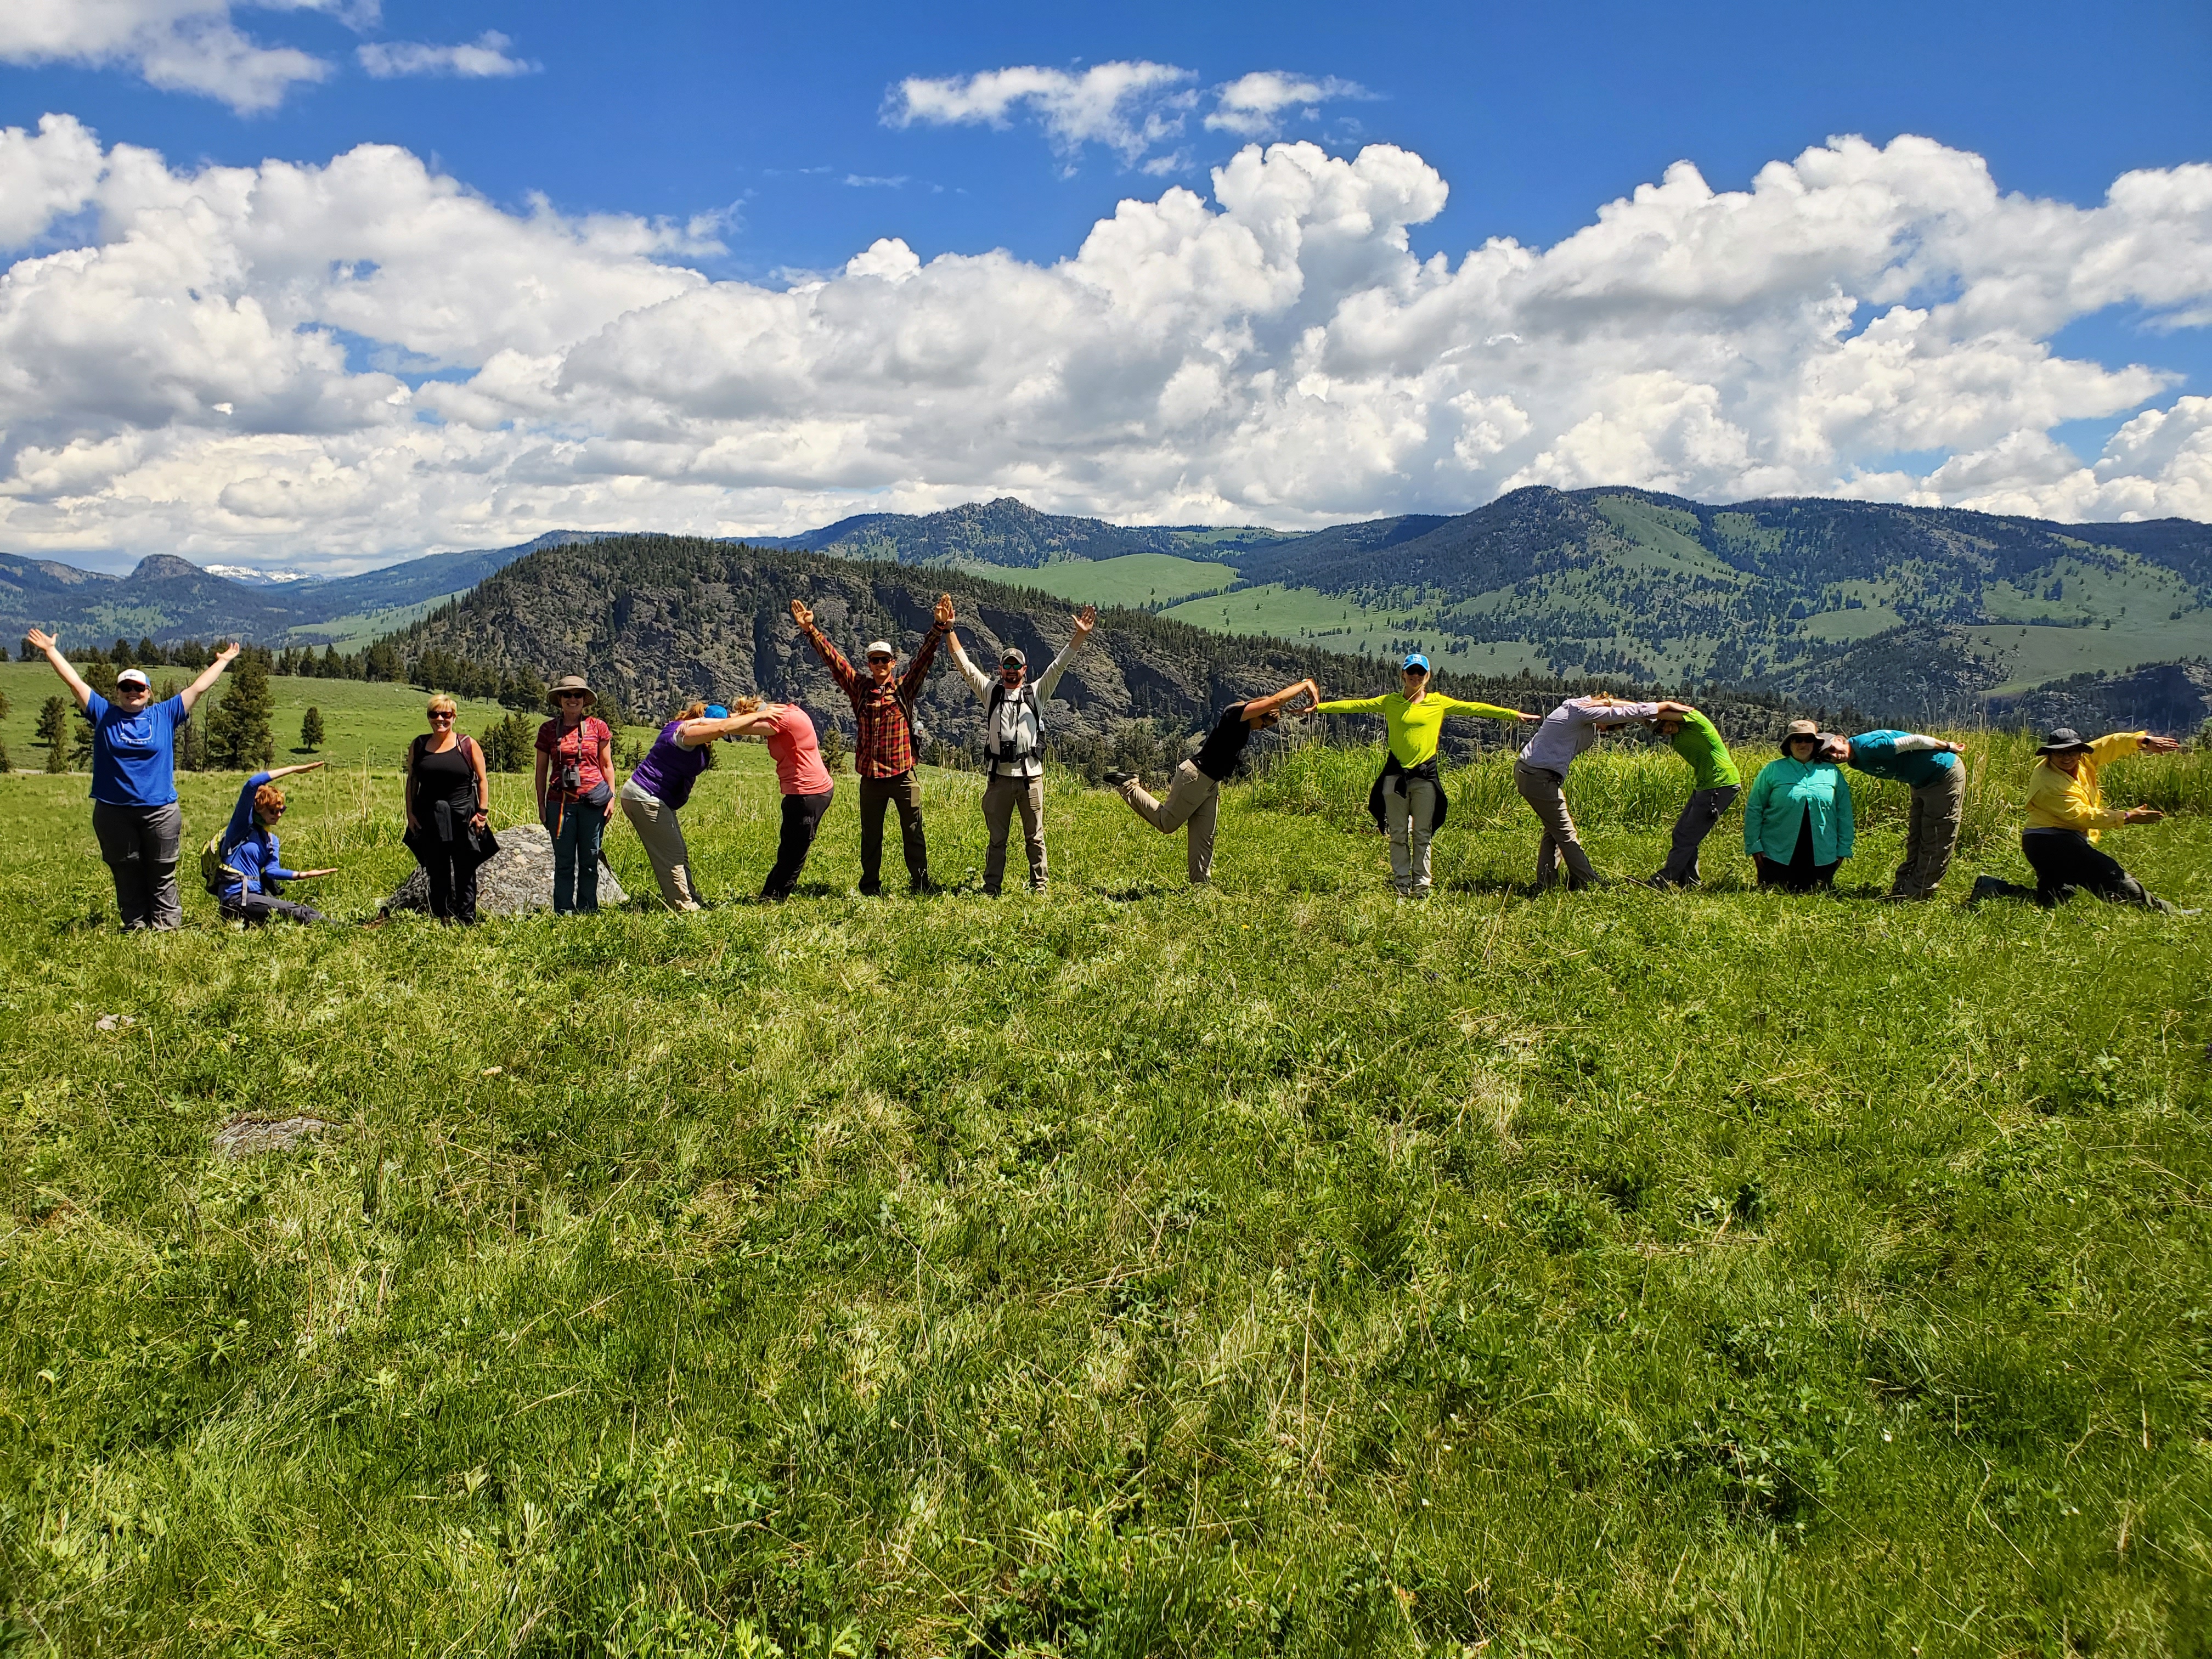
(1931,835)
(1192,799)
(1409,810)
(1002,798)
(663,836)
(1546,793)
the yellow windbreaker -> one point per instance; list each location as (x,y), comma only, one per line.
(2056,801)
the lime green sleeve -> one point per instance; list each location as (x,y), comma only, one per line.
(1489,711)
(1351,706)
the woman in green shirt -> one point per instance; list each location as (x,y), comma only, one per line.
(1714,785)
(1407,800)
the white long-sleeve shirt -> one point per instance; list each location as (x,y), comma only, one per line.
(1005,727)
(1573,727)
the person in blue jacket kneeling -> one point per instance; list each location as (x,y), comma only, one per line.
(250,859)
(1797,819)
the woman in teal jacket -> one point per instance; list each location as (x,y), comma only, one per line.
(1797,819)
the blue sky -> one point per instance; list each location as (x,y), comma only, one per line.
(774,140)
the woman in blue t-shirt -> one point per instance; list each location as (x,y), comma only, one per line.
(134,783)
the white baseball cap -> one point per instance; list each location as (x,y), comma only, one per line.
(133,676)
(880,648)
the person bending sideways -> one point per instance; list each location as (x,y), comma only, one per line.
(1932,769)
(574,782)
(883,750)
(1540,776)
(250,858)
(1014,742)
(135,815)
(1714,785)
(806,781)
(448,828)
(1408,801)
(2066,814)
(1193,796)
(659,784)
(1797,821)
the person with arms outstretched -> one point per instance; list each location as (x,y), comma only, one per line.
(1540,776)
(883,751)
(1193,796)
(253,871)
(659,784)
(1714,785)
(1932,769)
(1408,801)
(135,814)
(1013,746)
(2067,815)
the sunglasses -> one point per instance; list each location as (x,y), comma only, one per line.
(877,660)
(439,714)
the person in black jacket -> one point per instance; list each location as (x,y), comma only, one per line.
(446,826)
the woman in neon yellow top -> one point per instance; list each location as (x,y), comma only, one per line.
(1407,800)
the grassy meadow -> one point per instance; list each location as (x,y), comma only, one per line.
(1275,1269)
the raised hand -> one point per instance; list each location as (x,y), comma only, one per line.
(227,653)
(41,639)
(800,614)
(944,617)
(1086,620)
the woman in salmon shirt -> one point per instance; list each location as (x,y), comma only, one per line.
(806,783)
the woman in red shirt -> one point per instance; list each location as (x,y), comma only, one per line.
(806,783)
(575,762)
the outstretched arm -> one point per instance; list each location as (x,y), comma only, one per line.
(978,681)
(1489,711)
(199,689)
(692,734)
(1049,682)
(305,766)
(70,678)
(1259,707)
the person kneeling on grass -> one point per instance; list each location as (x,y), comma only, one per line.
(659,784)
(1408,801)
(1013,739)
(1193,796)
(1797,820)
(250,858)
(1930,768)
(806,781)
(1714,785)
(2066,813)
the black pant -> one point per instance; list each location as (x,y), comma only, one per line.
(802,816)
(1801,874)
(903,792)
(257,909)
(451,868)
(2065,859)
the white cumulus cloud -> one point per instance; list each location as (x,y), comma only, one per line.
(1129,107)
(180,45)
(1252,106)
(340,363)
(484,58)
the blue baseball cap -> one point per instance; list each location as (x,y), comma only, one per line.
(716,712)
(1415,659)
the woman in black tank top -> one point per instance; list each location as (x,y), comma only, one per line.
(446,824)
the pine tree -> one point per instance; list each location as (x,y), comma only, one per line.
(238,735)
(53,732)
(510,744)
(311,730)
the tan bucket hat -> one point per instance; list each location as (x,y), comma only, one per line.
(571,682)
(1797,729)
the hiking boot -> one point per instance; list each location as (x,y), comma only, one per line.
(1115,779)
(1985,887)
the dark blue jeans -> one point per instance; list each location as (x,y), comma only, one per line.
(576,828)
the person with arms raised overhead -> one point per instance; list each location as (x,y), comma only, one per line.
(1714,785)
(249,869)
(1193,796)
(1798,825)
(135,814)
(660,784)
(1014,743)
(2067,815)
(1932,769)
(446,793)
(1408,801)
(883,751)
(576,790)
(1540,776)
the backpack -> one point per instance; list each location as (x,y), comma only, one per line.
(215,874)
(1026,696)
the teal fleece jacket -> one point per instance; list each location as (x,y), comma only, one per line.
(1784,791)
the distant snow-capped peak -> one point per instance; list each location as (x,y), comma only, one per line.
(252,578)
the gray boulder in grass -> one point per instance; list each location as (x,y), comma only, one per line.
(519,879)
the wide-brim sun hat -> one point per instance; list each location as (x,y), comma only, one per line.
(2063,740)
(569,682)
(1797,729)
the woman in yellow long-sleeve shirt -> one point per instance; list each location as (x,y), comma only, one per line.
(1407,800)
(2066,813)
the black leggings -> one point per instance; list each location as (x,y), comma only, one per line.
(451,868)
(257,909)
(1801,874)
(2064,860)
(802,816)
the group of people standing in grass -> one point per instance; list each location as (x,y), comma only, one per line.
(1797,814)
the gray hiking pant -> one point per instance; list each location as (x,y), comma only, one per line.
(1931,835)
(1192,799)
(1545,793)
(1705,808)
(662,836)
(1409,809)
(1002,798)
(140,845)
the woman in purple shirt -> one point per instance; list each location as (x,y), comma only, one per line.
(661,783)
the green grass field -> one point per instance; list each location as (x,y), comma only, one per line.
(1133,579)
(1275,1269)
